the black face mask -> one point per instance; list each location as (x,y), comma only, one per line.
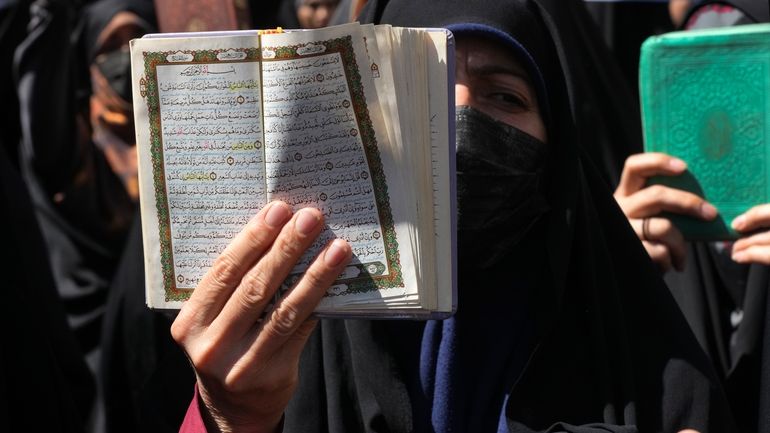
(116,68)
(500,190)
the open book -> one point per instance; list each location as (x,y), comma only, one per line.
(355,120)
(705,98)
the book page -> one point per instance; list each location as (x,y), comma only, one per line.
(203,152)
(325,144)
(440,54)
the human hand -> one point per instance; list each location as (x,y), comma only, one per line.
(756,247)
(247,368)
(641,204)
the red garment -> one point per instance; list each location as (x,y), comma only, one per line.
(193,421)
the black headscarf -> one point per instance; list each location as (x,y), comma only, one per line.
(610,349)
(604,103)
(98,15)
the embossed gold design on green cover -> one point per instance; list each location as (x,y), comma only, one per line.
(705,100)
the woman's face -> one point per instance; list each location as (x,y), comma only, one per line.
(491,80)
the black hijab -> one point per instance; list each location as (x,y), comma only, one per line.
(611,351)
(98,15)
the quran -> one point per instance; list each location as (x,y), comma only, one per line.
(355,120)
(705,98)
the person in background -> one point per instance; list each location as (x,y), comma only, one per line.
(721,287)
(563,323)
(77,149)
(313,14)
(678,10)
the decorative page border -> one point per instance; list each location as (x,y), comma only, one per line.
(365,282)
(148,87)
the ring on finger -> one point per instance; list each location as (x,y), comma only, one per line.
(646,229)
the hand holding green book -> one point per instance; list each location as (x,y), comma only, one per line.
(706,99)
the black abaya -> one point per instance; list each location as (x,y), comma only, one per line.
(45,384)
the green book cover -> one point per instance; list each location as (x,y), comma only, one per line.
(704,97)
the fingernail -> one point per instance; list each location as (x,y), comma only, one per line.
(336,253)
(739,257)
(306,221)
(677,164)
(277,215)
(739,222)
(708,211)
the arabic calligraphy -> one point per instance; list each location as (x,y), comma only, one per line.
(211,131)
(314,154)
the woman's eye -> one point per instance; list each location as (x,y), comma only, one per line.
(508,99)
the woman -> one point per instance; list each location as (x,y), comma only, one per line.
(563,324)
(721,287)
(77,150)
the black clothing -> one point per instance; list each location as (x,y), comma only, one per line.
(45,384)
(624,26)
(13,22)
(726,303)
(147,378)
(611,351)
(286,16)
(83,208)
(604,101)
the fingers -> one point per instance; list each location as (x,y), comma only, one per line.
(229,268)
(258,286)
(657,198)
(641,166)
(247,370)
(663,242)
(753,249)
(659,254)
(755,218)
(755,254)
(294,308)
(662,233)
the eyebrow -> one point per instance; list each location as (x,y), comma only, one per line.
(492,69)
